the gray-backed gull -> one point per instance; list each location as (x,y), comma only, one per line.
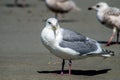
(69,45)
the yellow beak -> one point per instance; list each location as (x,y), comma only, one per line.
(54,30)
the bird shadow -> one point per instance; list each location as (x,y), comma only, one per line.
(105,42)
(77,72)
(17,5)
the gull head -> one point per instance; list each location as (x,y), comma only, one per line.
(99,6)
(52,24)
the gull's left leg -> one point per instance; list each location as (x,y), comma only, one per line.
(70,64)
(113,34)
(58,16)
(63,64)
(16,2)
(117,41)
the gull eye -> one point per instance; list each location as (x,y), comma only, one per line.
(49,22)
(97,6)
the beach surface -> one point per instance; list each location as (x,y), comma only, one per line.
(23,57)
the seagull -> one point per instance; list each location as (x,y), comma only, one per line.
(108,16)
(69,45)
(61,6)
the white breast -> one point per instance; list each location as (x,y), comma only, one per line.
(47,36)
(100,15)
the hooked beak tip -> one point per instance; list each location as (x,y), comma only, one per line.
(54,28)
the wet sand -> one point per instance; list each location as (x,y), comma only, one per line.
(23,57)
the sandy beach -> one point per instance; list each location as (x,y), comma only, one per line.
(23,57)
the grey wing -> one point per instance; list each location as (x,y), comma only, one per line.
(83,47)
(69,35)
(77,42)
(113,11)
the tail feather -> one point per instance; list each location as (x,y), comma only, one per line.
(107,53)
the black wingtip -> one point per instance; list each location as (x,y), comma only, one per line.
(108,52)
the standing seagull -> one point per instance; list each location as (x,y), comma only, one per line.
(69,45)
(61,6)
(108,16)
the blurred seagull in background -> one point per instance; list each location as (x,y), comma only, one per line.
(108,16)
(69,45)
(61,6)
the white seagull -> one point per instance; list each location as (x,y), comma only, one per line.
(69,45)
(108,16)
(61,6)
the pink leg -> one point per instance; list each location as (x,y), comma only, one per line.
(23,3)
(58,16)
(113,34)
(70,64)
(63,63)
(16,2)
(117,41)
